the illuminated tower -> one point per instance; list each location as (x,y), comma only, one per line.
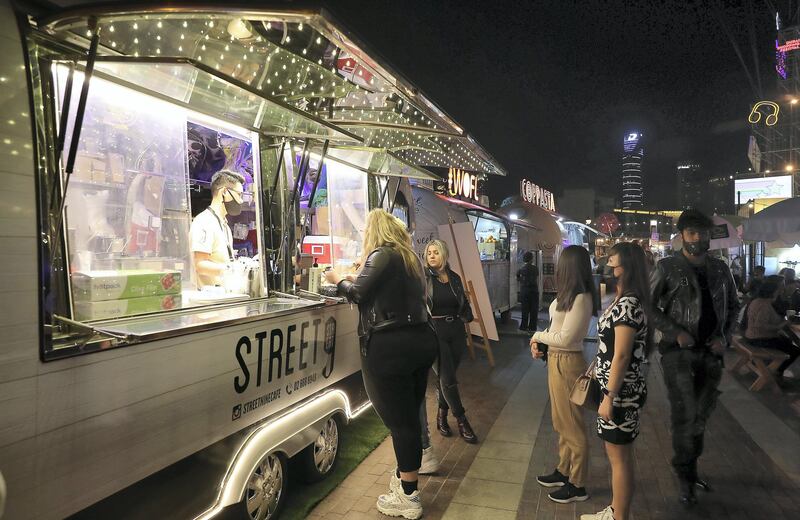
(632,182)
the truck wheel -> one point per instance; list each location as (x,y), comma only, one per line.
(267,487)
(505,316)
(319,459)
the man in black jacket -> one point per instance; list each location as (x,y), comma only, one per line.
(528,278)
(694,309)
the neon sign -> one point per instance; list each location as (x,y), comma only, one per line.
(534,194)
(790,45)
(755,113)
(462,184)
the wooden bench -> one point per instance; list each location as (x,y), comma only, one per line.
(762,361)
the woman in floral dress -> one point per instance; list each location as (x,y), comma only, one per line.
(623,338)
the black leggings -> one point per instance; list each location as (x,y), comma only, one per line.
(395,376)
(452,344)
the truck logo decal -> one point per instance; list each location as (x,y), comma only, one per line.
(279,353)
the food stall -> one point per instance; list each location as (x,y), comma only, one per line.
(538,231)
(119,117)
(493,238)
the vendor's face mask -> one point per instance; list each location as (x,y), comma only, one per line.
(233,207)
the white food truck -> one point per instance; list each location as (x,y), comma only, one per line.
(128,389)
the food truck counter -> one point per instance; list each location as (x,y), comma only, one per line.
(153,327)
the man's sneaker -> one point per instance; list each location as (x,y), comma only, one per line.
(430,464)
(400,504)
(554,479)
(569,493)
(605,514)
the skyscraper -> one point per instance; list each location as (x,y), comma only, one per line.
(632,182)
(692,182)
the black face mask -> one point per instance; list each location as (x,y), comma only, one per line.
(698,248)
(232,207)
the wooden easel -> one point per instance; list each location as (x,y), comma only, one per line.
(473,298)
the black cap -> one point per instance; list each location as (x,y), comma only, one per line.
(693,218)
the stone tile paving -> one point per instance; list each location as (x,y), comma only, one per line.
(747,484)
(484,392)
(496,478)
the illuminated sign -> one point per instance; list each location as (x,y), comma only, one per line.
(790,45)
(779,187)
(780,61)
(533,194)
(462,184)
(771,106)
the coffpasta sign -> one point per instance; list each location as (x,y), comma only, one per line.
(535,194)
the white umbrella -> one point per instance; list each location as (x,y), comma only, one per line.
(780,221)
(723,235)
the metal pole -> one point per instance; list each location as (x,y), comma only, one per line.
(314,187)
(76,128)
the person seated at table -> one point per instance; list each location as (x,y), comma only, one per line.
(789,297)
(757,279)
(766,328)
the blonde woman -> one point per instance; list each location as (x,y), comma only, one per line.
(450,310)
(398,346)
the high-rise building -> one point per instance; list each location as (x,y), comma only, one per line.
(702,190)
(691,181)
(632,181)
(721,198)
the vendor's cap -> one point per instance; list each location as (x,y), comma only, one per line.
(693,218)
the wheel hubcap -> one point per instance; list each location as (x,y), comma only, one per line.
(264,488)
(326,446)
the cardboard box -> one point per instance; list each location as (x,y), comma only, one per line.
(93,286)
(125,307)
(321,224)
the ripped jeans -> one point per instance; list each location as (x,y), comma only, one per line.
(692,377)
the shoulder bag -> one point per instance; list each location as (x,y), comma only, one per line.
(586,390)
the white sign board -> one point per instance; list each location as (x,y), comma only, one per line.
(463,238)
(779,187)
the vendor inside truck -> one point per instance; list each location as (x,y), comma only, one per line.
(212,241)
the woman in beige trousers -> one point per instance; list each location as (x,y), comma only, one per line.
(570,315)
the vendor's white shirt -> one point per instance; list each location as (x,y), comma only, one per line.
(208,236)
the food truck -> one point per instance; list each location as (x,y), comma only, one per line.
(130,387)
(502,236)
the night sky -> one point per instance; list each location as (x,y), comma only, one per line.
(549,87)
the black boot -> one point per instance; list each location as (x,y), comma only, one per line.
(441,423)
(465,430)
(688,497)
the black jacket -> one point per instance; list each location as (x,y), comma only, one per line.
(464,308)
(528,276)
(387,296)
(677,300)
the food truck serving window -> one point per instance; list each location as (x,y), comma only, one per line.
(336,217)
(162,219)
(491,234)
(140,210)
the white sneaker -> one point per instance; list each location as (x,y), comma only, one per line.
(395,484)
(430,464)
(605,514)
(400,504)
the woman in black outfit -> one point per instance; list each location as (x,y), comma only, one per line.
(450,310)
(398,346)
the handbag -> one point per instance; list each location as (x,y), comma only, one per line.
(586,390)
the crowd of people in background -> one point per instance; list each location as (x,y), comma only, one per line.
(413,315)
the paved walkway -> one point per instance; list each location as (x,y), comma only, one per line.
(752,455)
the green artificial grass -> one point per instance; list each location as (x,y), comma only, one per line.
(356,440)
